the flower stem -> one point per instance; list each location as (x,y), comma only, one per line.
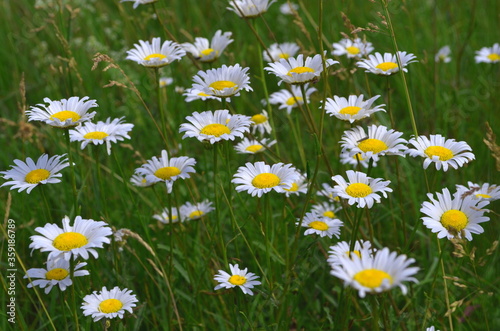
(73,179)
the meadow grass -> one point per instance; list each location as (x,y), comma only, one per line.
(59,49)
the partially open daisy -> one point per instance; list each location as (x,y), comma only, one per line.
(352,109)
(165,218)
(223,82)
(252,146)
(360,189)
(102,132)
(215,126)
(386,64)
(140,181)
(327,191)
(443,55)
(249,8)
(260,123)
(155,54)
(290,99)
(326,209)
(206,51)
(239,277)
(382,272)
(190,211)
(488,54)
(441,151)
(454,216)
(280,51)
(321,225)
(27,175)
(65,113)
(80,239)
(56,273)
(485,191)
(297,71)
(377,142)
(259,178)
(299,186)
(165,81)
(346,158)
(196,94)
(140,2)
(356,48)
(343,249)
(108,304)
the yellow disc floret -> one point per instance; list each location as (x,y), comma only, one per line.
(109,306)
(494,57)
(36,176)
(372,278)
(166,173)
(155,56)
(196,214)
(259,119)
(266,180)
(222,84)
(64,115)
(96,135)
(56,274)
(443,153)
(319,225)
(254,148)
(293,100)
(454,220)
(237,280)
(372,145)
(350,110)
(386,66)
(215,129)
(358,190)
(69,240)
(300,70)
(353,50)
(329,214)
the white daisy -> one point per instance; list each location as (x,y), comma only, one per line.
(190,212)
(165,81)
(488,54)
(140,180)
(206,51)
(252,146)
(27,175)
(485,191)
(223,82)
(453,216)
(299,186)
(327,191)
(297,71)
(164,216)
(291,99)
(443,152)
(382,272)
(261,124)
(343,249)
(288,8)
(259,178)
(356,48)
(57,272)
(140,2)
(443,55)
(280,51)
(377,142)
(78,240)
(353,108)
(108,304)
(346,158)
(360,189)
(155,54)
(431,328)
(216,126)
(249,8)
(324,226)
(65,113)
(238,277)
(386,64)
(326,209)
(196,94)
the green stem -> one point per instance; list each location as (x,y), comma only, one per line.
(73,178)
(72,264)
(160,108)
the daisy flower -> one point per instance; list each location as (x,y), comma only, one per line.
(291,99)
(241,278)
(65,113)
(431,328)
(108,304)
(27,175)
(327,191)
(140,181)
(324,226)
(288,8)
(443,55)
(353,108)
(343,249)
(195,211)
(252,146)
(102,132)
(78,240)
(216,126)
(346,158)
(360,189)
(260,123)
(280,51)
(443,152)
(165,81)
(57,273)
(155,54)
(249,8)
(488,54)
(386,64)
(298,187)
(326,209)
(297,71)
(223,82)
(382,272)
(259,178)
(485,191)
(196,94)
(164,216)
(377,142)
(352,48)
(454,216)
(167,169)
(140,2)
(206,51)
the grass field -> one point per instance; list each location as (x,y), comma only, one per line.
(58,49)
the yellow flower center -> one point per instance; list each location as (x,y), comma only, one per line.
(166,173)
(259,119)
(207,51)
(196,214)
(372,278)
(293,100)
(36,176)
(350,110)
(96,135)
(348,253)
(372,145)
(222,84)
(329,214)
(254,148)
(237,280)
(155,56)
(319,225)
(283,56)
(358,157)
(484,196)
(294,188)
(454,220)
(358,190)
(64,115)
(385,66)
(203,94)
(109,306)
(444,153)
(57,274)
(300,70)
(215,129)
(69,240)
(494,57)
(265,180)
(352,50)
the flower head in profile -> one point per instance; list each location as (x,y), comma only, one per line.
(326,209)
(196,94)
(140,181)
(139,2)
(386,64)
(27,175)
(261,124)
(249,8)
(484,191)
(342,249)
(443,55)
(354,160)
(165,81)
(360,189)
(155,54)
(353,108)
(238,277)
(108,304)
(488,54)
(276,51)
(193,211)
(321,225)
(65,113)
(252,146)
(206,51)
(164,216)
(223,82)
(356,48)
(442,152)
(290,99)
(299,186)
(327,191)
